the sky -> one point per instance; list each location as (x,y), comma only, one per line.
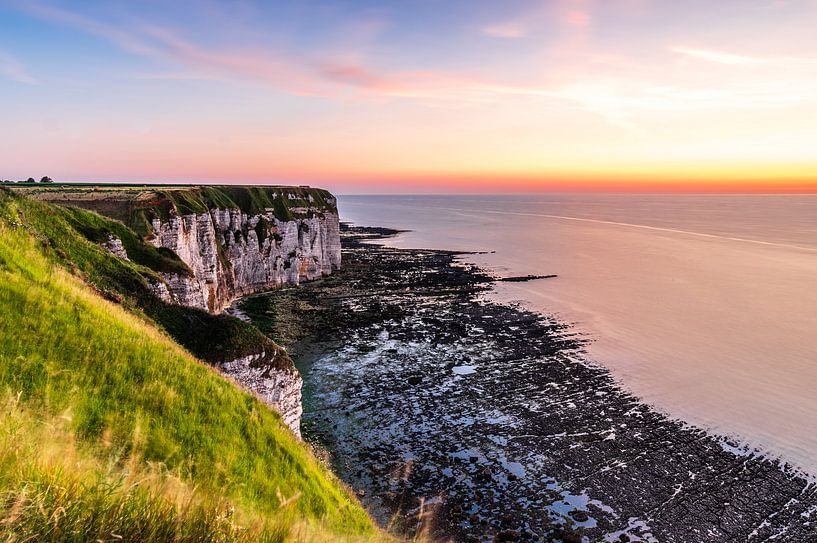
(414,95)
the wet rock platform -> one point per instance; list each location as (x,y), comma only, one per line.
(468,420)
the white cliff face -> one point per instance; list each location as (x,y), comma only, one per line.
(230,254)
(279,388)
(114,245)
(233,254)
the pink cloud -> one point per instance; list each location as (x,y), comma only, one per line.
(570,18)
(508,30)
(575,13)
(351,74)
(298,74)
(268,66)
(577,17)
(309,76)
(327,75)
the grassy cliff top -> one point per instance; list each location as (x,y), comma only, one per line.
(73,236)
(109,430)
(137,205)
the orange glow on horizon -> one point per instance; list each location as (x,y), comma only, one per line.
(503,183)
(553,96)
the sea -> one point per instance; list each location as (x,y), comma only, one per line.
(702,305)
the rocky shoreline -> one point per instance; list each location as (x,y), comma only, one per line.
(475,421)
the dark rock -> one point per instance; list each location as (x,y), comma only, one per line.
(528,403)
(507,536)
(579,516)
(524,278)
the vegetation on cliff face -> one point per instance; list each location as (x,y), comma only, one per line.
(110,430)
(73,237)
(99,229)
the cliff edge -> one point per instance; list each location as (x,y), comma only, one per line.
(234,240)
(195,250)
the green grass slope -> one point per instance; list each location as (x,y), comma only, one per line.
(72,236)
(109,430)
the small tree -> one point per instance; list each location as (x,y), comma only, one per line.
(46,179)
(30,180)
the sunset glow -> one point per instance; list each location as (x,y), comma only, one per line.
(364,96)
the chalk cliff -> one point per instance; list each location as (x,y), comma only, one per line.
(233,253)
(278,387)
(219,243)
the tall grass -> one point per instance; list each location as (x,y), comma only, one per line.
(54,492)
(55,488)
(115,431)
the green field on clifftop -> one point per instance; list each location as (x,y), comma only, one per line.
(109,430)
(137,205)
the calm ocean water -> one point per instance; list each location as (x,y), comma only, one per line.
(705,306)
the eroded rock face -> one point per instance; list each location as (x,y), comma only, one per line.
(279,388)
(114,245)
(235,240)
(233,254)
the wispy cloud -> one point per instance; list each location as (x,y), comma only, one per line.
(13,69)
(618,100)
(125,40)
(168,76)
(355,75)
(575,13)
(721,57)
(309,74)
(286,71)
(274,67)
(573,16)
(715,56)
(298,73)
(507,30)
